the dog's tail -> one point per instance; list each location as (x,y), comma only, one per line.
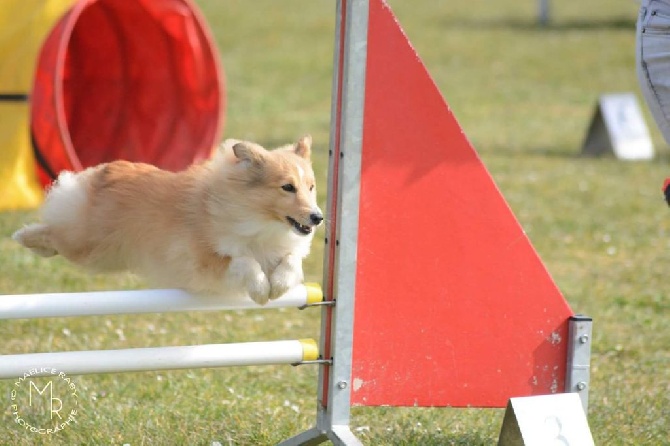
(37,238)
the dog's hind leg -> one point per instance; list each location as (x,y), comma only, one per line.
(37,238)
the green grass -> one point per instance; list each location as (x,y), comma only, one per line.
(524,96)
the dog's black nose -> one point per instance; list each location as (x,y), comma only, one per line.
(316,218)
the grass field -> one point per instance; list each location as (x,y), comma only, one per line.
(524,96)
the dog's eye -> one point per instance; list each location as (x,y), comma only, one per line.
(288,187)
(311,188)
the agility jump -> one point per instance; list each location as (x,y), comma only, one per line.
(34,306)
(490,323)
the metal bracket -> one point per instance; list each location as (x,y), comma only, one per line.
(578,372)
(315,361)
(323,303)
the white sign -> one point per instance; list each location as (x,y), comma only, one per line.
(618,127)
(546,420)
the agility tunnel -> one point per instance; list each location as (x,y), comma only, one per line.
(138,80)
(25,24)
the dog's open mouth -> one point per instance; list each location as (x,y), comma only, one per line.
(301,229)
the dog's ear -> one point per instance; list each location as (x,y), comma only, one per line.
(303,147)
(228,144)
(249,153)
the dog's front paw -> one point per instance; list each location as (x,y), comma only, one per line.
(259,289)
(279,286)
(246,273)
(284,277)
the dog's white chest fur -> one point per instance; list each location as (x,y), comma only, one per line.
(267,243)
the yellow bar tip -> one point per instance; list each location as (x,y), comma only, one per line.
(310,349)
(314,293)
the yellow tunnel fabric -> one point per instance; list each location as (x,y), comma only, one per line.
(23,26)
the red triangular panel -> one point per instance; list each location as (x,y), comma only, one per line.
(453,305)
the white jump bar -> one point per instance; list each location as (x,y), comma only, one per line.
(158,358)
(31,306)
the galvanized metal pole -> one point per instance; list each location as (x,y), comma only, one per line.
(543,12)
(348,95)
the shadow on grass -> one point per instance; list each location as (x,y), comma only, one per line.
(548,152)
(662,155)
(518,24)
(557,152)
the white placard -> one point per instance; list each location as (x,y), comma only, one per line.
(545,420)
(618,127)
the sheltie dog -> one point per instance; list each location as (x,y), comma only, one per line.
(238,224)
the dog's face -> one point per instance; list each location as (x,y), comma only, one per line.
(280,184)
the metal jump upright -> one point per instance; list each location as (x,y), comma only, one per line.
(436,295)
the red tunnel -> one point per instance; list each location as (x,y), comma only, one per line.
(126,79)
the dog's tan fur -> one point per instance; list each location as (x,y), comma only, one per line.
(219,227)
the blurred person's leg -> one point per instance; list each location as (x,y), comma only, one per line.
(653,60)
